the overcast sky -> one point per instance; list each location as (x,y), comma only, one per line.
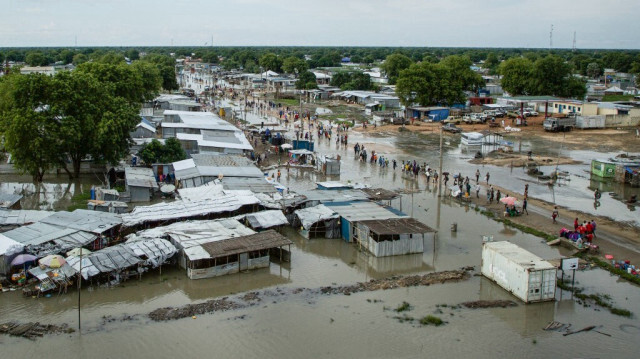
(455,23)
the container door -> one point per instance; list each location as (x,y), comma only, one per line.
(535,286)
(244,261)
(549,284)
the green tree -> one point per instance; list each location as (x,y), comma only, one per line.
(166,68)
(393,64)
(339,79)
(132,54)
(94,121)
(271,61)
(594,70)
(122,80)
(36,58)
(66,56)
(29,126)
(156,152)
(553,76)
(426,84)
(516,73)
(79,59)
(293,64)
(462,77)
(491,61)
(306,81)
(210,57)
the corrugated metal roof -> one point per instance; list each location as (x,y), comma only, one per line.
(210,165)
(254,184)
(85,220)
(140,177)
(380,194)
(8,199)
(21,217)
(334,195)
(362,211)
(397,226)
(154,251)
(181,209)
(42,239)
(255,242)
(309,216)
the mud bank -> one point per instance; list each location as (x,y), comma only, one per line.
(521,160)
(252,298)
(33,330)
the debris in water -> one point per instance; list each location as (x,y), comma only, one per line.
(33,330)
(490,304)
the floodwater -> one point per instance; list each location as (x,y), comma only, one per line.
(361,325)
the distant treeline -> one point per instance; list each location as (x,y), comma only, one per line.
(252,59)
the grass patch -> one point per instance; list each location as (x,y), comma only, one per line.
(404,318)
(288,101)
(608,266)
(431,320)
(602,300)
(403,307)
(611,98)
(79,201)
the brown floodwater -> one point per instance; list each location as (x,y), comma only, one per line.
(361,325)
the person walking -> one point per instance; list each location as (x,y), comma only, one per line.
(488,195)
(487,177)
(492,195)
(478,190)
(524,206)
(498,196)
(554,214)
(593,228)
(477,176)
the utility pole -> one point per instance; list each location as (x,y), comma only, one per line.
(551,38)
(574,42)
(440,169)
(79,290)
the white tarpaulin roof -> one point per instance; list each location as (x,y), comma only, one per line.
(110,259)
(154,251)
(265,219)
(9,246)
(225,202)
(192,233)
(309,216)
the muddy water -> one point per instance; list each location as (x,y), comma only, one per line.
(339,326)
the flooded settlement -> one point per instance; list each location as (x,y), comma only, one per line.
(332,223)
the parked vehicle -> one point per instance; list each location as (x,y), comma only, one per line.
(559,124)
(450,127)
(453,119)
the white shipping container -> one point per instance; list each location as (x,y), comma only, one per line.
(520,272)
(590,122)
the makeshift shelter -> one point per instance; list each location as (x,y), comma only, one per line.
(317,221)
(264,220)
(394,236)
(9,249)
(225,203)
(113,264)
(141,183)
(53,278)
(353,212)
(10,201)
(233,255)
(41,239)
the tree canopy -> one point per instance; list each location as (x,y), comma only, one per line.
(156,152)
(59,121)
(306,81)
(443,83)
(393,64)
(549,75)
(352,81)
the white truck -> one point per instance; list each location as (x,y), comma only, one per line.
(554,124)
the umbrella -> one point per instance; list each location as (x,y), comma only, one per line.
(77,251)
(53,261)
(22,259)
(286,145)
(510,201)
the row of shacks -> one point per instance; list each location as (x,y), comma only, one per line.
(208,231)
